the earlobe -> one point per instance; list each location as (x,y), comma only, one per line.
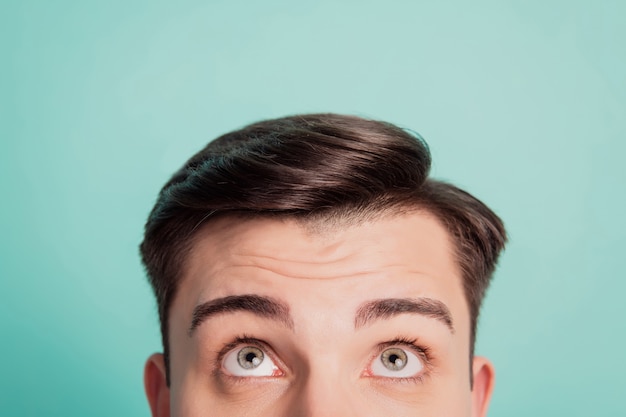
(484,379)
(155,384)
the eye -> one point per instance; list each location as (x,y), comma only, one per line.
(249,361)
(396,362)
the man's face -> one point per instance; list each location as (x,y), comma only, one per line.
(273,319)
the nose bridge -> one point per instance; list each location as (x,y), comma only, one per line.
(325,391)
(326,385)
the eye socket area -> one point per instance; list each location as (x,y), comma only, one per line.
(397,361)
(249,360)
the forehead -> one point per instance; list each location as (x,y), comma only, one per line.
(285,258)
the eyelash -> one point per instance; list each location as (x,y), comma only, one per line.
(424,352)
(237,341)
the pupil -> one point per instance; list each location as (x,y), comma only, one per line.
(250,357)
(393,358)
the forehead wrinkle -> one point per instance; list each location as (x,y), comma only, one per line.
(326,270)
(310,277)
(213,257)
(314,261)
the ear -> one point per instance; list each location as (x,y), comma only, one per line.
(484,379)
(155,384)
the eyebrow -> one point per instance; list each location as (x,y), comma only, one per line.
(256,304)
(366,314)
(391,307)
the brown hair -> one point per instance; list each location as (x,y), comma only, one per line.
(321,167)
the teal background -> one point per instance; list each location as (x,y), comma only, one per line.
(522,102)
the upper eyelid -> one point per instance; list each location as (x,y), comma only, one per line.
(422,351)
(246,340)
(242,341)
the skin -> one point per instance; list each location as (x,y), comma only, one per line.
(321,363)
